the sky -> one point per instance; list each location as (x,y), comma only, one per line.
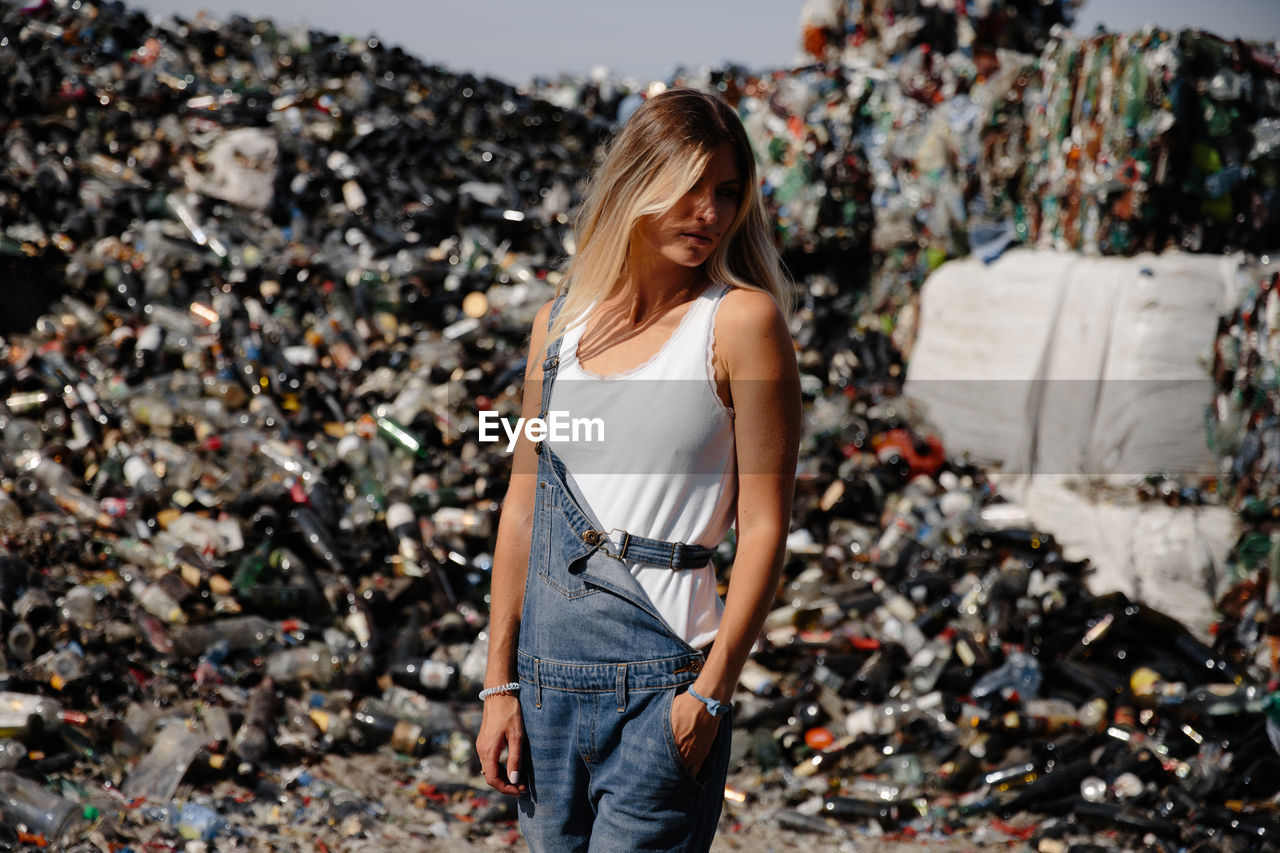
(515,40)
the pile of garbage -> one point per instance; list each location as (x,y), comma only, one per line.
(253,155)
(838,32)
(1244,433)
(247,527)
(910,133)
(922,132)
(937,663)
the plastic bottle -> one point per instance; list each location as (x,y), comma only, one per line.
(873,680)
(182,468)
(927,663)
(17,709)
(253,740)
(42,812)
(152,412)
(157,602)
(78,504)
(156,775)
(1004,778)
(312,663)
(21,434)
(471,670)
(22,641)
(401,704)
(791,819)
(403,526)
(1020,673)
(217,724)
(891,716)
(239,633)
(370,490)
(466,522)
(433,677)
(348,812)
(852,809)
(62,667)
(404,735)
(12,752)
(199,822)
(317,538)
(14,572)
(79,607)
(143,480)
(1050,786)
(251,567)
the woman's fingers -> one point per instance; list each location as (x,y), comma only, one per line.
(496,774)
(501,731)
(489,751)
(694,731)
(515,740)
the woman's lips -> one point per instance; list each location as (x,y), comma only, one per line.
(697,237)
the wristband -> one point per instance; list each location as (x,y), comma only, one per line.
(714,707)
(503,689)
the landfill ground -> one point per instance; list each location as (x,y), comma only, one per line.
(750,828)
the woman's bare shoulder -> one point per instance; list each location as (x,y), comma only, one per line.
(538,336)
(543,317)
(744,305)
(753,331)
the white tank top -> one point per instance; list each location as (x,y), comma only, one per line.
(666,467)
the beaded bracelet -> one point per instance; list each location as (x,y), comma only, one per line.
(504,689)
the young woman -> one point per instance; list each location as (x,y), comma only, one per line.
(612,659)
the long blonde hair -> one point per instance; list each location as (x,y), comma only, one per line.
(654,160)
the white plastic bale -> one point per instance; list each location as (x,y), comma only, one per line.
(1051,362)
(1074,376)
(983,331)
(1170,558)
(1150,416)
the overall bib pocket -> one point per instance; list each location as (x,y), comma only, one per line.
(565,553)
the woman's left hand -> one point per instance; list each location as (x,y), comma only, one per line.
(694,730)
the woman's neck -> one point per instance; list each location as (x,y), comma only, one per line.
(655,290)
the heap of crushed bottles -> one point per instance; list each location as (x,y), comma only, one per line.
(265,282)
(922,133)
(1244,433)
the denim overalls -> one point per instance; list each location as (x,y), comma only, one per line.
(598,670)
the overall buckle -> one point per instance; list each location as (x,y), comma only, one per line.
(622,545)
(677,554)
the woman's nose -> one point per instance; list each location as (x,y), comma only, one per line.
(706,208)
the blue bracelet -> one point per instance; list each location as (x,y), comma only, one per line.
(715,707)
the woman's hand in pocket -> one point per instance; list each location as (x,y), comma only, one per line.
(694,730)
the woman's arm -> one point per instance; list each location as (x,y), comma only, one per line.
(502,726)
(755,345)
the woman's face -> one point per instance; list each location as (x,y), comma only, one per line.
(690,231)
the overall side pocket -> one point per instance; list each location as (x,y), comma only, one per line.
(673,749)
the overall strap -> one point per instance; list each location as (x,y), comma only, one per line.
(552,362)
(642,549)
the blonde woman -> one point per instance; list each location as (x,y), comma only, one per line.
(612,658)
